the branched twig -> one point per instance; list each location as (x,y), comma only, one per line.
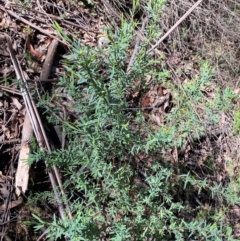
(175,25)
(33,26)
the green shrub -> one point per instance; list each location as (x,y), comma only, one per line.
(236,124)
(115,197)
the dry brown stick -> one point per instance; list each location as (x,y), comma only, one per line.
(49,60)
(70,23)
(42,80)
(135,51)
(43,234)
(33,26)
(175,25)
(10,90)
(9,141)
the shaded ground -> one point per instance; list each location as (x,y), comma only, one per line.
(211,32)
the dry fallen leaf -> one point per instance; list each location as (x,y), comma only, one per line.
(157,102)
(17,103)
(34,52)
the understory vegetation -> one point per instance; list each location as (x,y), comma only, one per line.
(144,133)
(125,167)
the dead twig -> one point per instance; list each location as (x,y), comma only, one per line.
(175,25)
(10,141)
(49,59)
(10,90)
(135,51)
(38,129)
(33,26)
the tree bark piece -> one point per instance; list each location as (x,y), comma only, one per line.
(22,174)
(46,71)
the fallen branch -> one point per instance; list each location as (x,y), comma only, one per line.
(49,60)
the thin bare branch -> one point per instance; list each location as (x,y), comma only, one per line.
(38,129)
(175,25)
(135,51)
(33,26)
